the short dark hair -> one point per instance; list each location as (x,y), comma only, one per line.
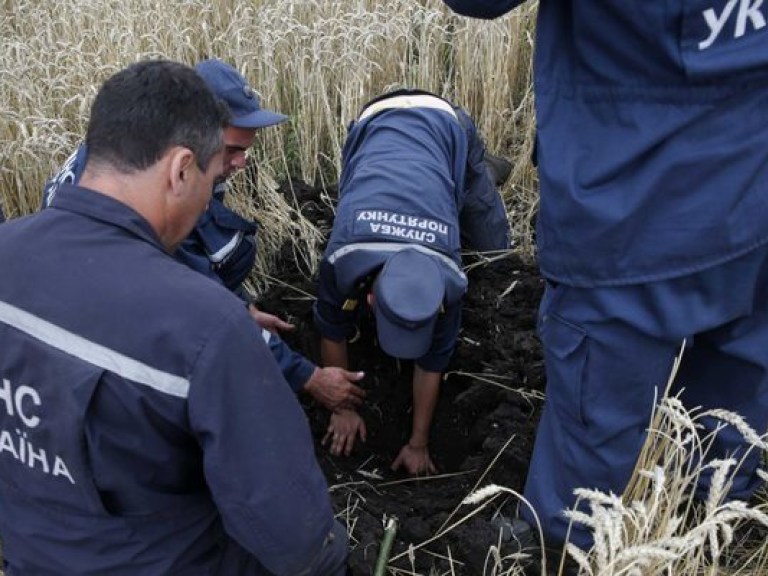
(148,107)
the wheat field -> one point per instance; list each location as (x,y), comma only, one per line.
(318,61)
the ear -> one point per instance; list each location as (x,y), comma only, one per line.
(369,299)
(181,162)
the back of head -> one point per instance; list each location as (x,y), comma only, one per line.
(148,107)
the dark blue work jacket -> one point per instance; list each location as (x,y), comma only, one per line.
(222,246)
(411,177)
(652,140)
(145,428)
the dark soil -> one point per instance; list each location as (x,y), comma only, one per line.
(482,431)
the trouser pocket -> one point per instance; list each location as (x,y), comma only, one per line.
(565,348)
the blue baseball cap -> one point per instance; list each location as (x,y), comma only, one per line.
(408,293)
(243,101)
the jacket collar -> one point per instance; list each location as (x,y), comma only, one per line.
(97,206)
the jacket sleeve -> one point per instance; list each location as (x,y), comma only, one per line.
(295,368)
(226,239)
(331,319)
(483,217)
(258,455)
(191,253)
(482,8)
(443,341)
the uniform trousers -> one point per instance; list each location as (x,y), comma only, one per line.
(609,353)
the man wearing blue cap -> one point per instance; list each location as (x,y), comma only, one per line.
(416,185)
(223,244)
(143,420)
(652,232)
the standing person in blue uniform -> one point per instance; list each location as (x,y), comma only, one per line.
(145,428)
(223,244)
(415,187)
(652,231)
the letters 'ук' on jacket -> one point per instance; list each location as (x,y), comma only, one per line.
(411,176)
(144,426)
(652,141)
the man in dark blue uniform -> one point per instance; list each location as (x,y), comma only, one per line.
(415,187)
(145,428)
(652,231)
(223,244)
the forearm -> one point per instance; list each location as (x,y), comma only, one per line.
(334,353)
(426,389)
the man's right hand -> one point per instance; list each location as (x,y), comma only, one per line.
(415,460)
(334,387)
(344,426)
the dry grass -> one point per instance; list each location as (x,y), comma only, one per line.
(317,61)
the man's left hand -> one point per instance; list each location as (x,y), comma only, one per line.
(343,429)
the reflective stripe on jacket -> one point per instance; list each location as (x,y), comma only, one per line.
(143,421)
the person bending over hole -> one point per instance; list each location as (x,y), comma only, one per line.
(417,184)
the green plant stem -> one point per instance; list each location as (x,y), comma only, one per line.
(386,547)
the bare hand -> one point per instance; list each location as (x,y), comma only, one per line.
(344,426)
(415,460)
(334,387)
(269,322)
